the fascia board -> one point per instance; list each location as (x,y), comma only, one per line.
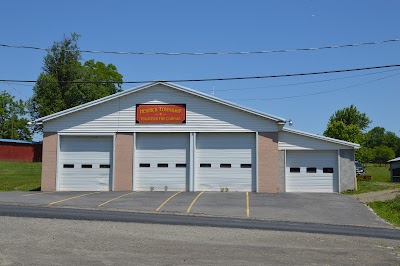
(142,87)
(311,135)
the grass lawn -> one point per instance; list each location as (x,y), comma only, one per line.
(379,173)
(380,180)
(20,176)
(388,210)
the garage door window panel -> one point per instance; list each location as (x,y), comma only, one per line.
(311,170)
(327,170)
(295,169)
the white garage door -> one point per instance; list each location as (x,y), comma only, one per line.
(161,161)
(225,160)
(311,171)
(85,163)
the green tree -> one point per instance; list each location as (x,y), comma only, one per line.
(378,136)
(375,137)
(351,116)
(12,123)
(97,72)
(365,155)
(339,130)
(382,154)
(58,86)
(392,141)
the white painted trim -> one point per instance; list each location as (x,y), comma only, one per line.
(256,161)
(133,163)
(58,161)
(284,170)
(194,159)
(83,134)
(336,141)
(339,177)
(354,171)
(111,186)
(391,161)
(171,85)
(192,150)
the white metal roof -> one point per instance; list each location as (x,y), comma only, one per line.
(394,160)
(171,85)
(315,136)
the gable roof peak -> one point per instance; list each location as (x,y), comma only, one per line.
(167,84)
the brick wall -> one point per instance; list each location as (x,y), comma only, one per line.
(49,165)
(123,168)
(268,162)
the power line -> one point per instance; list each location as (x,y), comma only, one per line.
(296,96)
(24,85)
(215,79)
(315,93)
(16,90)
(208,53)
(301,83)
(270,86)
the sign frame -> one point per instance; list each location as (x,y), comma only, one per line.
(181,105)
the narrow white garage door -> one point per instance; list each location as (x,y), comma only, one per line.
(85,163)
(161,161)
(225,160)
(311,171)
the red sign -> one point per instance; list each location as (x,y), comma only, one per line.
(161,113)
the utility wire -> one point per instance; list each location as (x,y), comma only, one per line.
(292,96)
(300,83)
(16,90)
(271,86)
(215,79)
(315,93)
(208,53)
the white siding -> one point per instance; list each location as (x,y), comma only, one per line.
(291,141)
(201,116)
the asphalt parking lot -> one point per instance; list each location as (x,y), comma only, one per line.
(299,207)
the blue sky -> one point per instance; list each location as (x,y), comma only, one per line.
(204,26)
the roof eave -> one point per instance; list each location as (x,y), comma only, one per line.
(144,86)
(222,101)
(92,103)
(394,160)
(323,138)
